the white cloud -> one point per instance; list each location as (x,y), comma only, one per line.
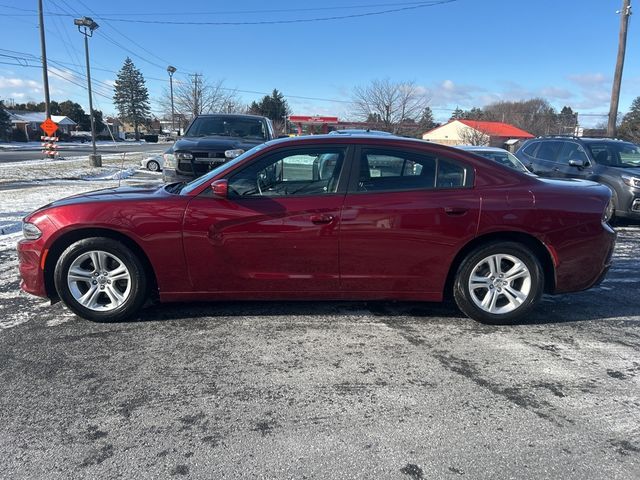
(590,79)
(8,82)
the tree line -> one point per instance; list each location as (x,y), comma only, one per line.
(397,107)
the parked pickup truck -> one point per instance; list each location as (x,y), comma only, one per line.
(211,140)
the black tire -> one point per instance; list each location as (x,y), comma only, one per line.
(133,289)
(612,207)
(475,261)
(153,166)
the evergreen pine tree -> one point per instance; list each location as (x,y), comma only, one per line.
(457,114)
(131,97)
(630,126)
(5,123)
(426,121)
(272,106)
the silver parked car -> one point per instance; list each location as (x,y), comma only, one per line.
(496,154)
(153,163)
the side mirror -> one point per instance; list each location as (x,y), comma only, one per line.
(220,188)
(578,163)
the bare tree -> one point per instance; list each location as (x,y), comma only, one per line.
(472,136)
(388,104)
(535,116)
(197,95)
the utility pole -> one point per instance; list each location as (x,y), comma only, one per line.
(617,79)
(196,94)
(45,73)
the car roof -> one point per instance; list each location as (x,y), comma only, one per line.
(235,115)
(579,139)
(477,148)
(359,137)
(358,131)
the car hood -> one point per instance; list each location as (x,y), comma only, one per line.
(569,183)
(635,171)
(110,195)
(214,143)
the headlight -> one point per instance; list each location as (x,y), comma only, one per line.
(233,153)
(30,231)
(169,160)
(631,181)
(184,156)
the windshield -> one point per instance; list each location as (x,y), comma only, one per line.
(192,185)
(616,154)
(504,158)
(229,127)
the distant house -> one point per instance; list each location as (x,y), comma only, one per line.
(475,132)
(29,123)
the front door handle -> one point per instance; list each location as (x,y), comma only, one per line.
(321,219)
(455,211)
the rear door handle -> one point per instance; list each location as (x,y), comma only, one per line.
(321,219)
(455,211)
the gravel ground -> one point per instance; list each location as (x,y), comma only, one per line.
(324,389)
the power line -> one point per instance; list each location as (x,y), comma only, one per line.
(281,22)
(397,8)
(237,12)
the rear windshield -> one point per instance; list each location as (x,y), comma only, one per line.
(249,128)
(616,154)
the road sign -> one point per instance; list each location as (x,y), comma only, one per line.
(49,126)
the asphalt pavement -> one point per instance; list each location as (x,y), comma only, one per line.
(327,390)
(321,391)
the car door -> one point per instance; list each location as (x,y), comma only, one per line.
(277,230)
(546,158)
(404,218)
(573,161)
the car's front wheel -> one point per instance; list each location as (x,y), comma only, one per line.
(153,166)
(100,279)
(499,283)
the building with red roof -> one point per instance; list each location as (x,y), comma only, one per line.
(476,132)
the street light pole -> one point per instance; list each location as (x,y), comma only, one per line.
(172,70)
(86,26)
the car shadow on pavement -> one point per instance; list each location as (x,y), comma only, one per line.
(176,311)
(552,310)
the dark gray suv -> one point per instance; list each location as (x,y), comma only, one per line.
(613,163)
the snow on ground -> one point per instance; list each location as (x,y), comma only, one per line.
(16,146)
(26,186)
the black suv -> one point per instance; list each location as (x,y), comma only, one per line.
(211,140)
(613,163)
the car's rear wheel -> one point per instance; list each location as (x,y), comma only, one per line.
(100,279)
(499,283)
(153,166)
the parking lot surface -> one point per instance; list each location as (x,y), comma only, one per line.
(324,389)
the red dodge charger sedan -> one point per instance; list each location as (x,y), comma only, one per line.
(325,217)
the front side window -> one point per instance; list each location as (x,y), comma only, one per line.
(382,170)
(573,151)
(295,172)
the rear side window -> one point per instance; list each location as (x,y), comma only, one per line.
(531,149)
(384,170)
(549,151)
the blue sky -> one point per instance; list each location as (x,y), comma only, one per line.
(464,53)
